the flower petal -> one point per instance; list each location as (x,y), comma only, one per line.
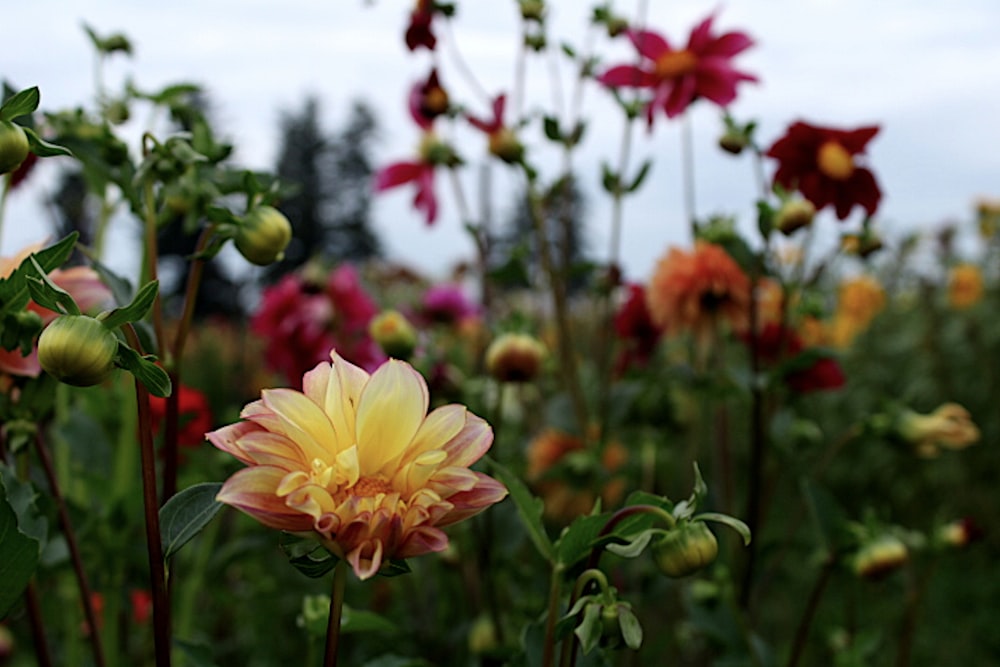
(648,43)
(390,411)
(343,394)
(302,421)
(486,492)
(252,491)
(628,76)
(228,439)
(397,174)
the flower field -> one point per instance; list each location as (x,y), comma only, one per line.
(775,449)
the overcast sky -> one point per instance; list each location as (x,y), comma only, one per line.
(927,72)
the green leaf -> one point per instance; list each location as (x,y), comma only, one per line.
(631,630)
(356,620)
(121,288)
(529,508)
(307,555)
(394,568)
(183,516)
(20,104)
(56,255)
(144,369)
(589,630)
(21,495)
(636,546)
(577,540)
(726,520)
(19,555)
(136,310)
(640,176)
(43,148)
(46,293)
(550,125)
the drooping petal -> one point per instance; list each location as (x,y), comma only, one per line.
(366,559)
(390,411)
(252,491)
(469,444)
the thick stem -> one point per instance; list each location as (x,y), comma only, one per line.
(154,547)
(74,551)
(336,611)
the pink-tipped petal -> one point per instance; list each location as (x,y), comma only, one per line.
(252,491)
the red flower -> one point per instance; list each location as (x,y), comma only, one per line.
(777,344)
(503,142)
(635,327)
(301,322)
(418,172)
(820,163)
(419,32)
(428,100)
(680,76)
(142,604)
(195,416)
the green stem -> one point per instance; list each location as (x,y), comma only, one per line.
(555,590)
(4,189)
(802,632)
(74,551)
(154,547)
(150,261)
(911,613)
(336,611)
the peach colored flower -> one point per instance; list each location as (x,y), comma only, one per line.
(81,282)
(356,459)
(965,286)
(859,300)
(694,291)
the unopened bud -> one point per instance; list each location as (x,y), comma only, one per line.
(733,141)
(505,145)
(532,10)
(78,350)
(685,549)
(394,334)
(263,236)
(13,146)
(794,215)
(515,358)
(880,557)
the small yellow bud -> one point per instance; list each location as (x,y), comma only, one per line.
(515,357)
(263,236)
(77,350)
(505,145)
(394,334)
(685,549)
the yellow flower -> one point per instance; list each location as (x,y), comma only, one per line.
(859,300)
(356,459)
(948,427)
(965,286)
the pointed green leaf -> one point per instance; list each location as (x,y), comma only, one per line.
(19,555)
(640,176)
(43,148)
(144,369)
(307,555)
(20,104)
(136,310)
(577,539)
(46,293)
(529,508)
(183,516)
(56,255)
(631,630)
(726,520)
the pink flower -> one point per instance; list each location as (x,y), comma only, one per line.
(81,282)
(447,304)
(503,142)
(419,32)
(301,322)
(680,76)
(357,460)
(418,172)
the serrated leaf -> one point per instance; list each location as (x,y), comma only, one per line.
(43,148)
(186,514)
(136,310)
(20,104)
(529,508)
(144,369)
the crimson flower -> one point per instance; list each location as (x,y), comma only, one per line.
(678,77)
(447,304)
(779,344)
(503,142)
(419,32)
(820,162)
(636,329)
(193,410)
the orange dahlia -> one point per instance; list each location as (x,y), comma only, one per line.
(357,460)
(694,291)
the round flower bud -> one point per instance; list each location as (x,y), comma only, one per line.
(795,214)
(505,145)
(394,334)
(264,235)
(686,549)
(532,10)
(515,357)
(733,141)
(77,350)
(13,146)
(878,558)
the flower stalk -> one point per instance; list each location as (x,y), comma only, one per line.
(336,613)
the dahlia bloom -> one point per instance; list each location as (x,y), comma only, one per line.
(678,77)
(447,304)
(778,344)
(83,284)
(357,460)
(502,141)
(821,163)
(859,300)
(301,322)
(419,32)
(950,426)
(694,290)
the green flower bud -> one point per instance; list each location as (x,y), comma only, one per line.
(794,215)
(686,549)
(13,146)
(77,350)
(505,145)
(394,334)
(263,236)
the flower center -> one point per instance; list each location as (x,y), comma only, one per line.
(675,64)
(834,161)
(369,487)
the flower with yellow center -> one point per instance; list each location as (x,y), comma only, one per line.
(965,286)
(357,460)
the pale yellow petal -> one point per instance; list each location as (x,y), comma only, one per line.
(439,427)
(343,392)
(303,421)
(392,407)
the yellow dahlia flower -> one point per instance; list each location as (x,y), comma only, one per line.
(356,459)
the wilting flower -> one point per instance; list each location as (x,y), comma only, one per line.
(696,290)
(965,286)
(503,142)
(678,77)
(636,330)
(432,152)
(194,415)
(821,163)
(356,459)
(948,427)
(83,284)
(302,321)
